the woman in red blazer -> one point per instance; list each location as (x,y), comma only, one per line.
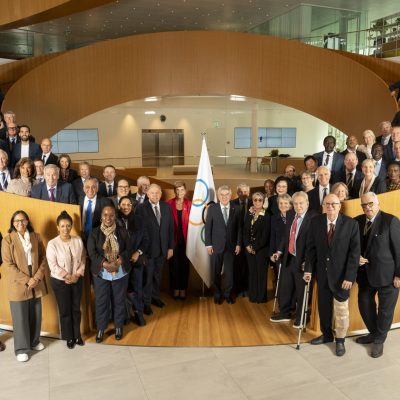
(179,263)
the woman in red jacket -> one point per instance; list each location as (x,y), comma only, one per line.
(179,263)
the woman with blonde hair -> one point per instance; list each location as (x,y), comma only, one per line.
(370,182)
(341,190)
(369,140)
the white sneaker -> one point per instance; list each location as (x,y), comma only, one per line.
(39,347)
(22,357)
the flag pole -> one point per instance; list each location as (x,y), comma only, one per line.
(203,296)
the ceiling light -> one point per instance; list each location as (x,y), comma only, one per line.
(234,97)
(149,112)
(152,98)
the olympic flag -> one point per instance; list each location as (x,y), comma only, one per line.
(204,193)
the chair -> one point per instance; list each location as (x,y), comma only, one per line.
(248,163)
(266,162)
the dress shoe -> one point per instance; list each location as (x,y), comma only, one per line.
(139,319)
(230,300)
(79,342)
(71,343)
(147,310)
(367,339)
(23,357)
(2,346)
(322,339)
(118,333)
(279,318)
(340,349)
(99,336)
(158,303)
(218,300)
(377,350)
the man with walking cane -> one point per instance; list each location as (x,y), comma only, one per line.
(333,252)
(293,248)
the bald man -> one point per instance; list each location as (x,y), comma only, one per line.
(47,156)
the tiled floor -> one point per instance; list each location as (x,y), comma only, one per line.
(265,372)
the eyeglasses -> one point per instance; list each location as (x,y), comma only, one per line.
(365,205)
(257,200)
(331,204)
(20,221)
(12,128)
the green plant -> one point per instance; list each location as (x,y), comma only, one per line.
(274,153)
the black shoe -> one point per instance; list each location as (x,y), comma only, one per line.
(340,349)
(71,343)
(377,350)
(79,342)
(230,300)
(139,319)
(2,346)
(147,310)
(118,333)
(218,300)
(367,339)
(280,318)
(158,303)
(322,339)
(99,336)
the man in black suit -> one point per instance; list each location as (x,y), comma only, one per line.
(143,184)
(240,267)
(47,156)
(159,223)
(385,128)
(84,173)
(351,143)
(311,165)
(123,189)
(350,174)
(329,158)
(108,188)
(24,148)
(91,206)
(333,252)
(377,153)
(388,154)
(39,169)
(223,238)
(5,172)
(53,190)
(323,188)
(12,136)
(379,272)
(293,249)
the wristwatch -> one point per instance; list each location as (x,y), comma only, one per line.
(140,252)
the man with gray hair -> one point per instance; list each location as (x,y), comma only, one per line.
(323,188)
(53,190)
(5,172)
(379,272)
(143,184)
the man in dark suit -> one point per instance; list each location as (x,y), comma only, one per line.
(84,173)
(292,251)
(24,148)
(388,154)
(385,129)
(91,206)
(351,143)
(143,184)
(53,190)
(311,165)
(108,188)
(240,267)
(350,174)
(12,136)
(47,156)
(323,188)
(377,153)
(333,252)
(123,189)
(223,231)
(379,272)
(329,158)
(5,172)
(159,223)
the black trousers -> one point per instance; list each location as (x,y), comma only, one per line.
(241,273)
(257,276)
(217,260)
(104,291)
(378,320)
(291,286)
(152,279)
(69,307)
(179,268)
(135,287)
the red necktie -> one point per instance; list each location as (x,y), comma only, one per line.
(293,235)
(331,232)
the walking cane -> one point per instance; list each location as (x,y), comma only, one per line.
(303,320)
(277,286)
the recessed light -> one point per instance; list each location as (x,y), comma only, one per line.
(235,97)
(149,112)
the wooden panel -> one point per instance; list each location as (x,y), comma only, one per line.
(322,83)
(297,162)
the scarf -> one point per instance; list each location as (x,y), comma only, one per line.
(110,246)
(364,189)
(27,245)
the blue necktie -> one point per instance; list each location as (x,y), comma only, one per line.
(88,221)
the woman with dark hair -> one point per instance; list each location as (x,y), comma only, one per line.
(66,257)
(24,254)
(393,179)
(179,263)
(139,243)
(24,178)
(67,174)
(281,187)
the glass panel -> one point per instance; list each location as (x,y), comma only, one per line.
(88,134)
(68,147)
(88,146)
(67,135)
(242,138)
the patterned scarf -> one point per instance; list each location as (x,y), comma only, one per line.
(110,246)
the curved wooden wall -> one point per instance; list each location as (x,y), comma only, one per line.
(322,83)
(17,13)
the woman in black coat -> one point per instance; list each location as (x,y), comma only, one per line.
(256,238)
(281,188)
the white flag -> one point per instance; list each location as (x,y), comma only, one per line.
(204,193)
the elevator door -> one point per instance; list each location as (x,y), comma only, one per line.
(162,147)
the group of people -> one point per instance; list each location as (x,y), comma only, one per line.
(127,237)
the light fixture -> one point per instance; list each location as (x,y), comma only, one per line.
(149,112)
(152,98)
(235,97)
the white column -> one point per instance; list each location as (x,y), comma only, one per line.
(254,137)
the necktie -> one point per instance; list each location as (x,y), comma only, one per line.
(140,199)
(110,190)
(226,215)
(293,235)
(52,198)
(327,159)
(157,213)
(330,233)
(324,193)
(4,182)
(44,159)
(367,227)
(88,220)
(349,178)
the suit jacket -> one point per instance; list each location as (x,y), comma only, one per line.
(379,186)
(223,237)
(96,253)
(388,153)
(243,212)
(9,173)
(337,163)
(343,178)
(77,185)
(34,152)
(64,192)
(260,230)
(51,159)
(301,240)
(313,198)
(278,228)
(115,200)
(137,232)
(14,259)
(4,146)
(379,139)
(161,236)
(383,171)
(382,250)
(340,260)
(187,205)
(360,156)
(11,144)
(103,192)
(273,208)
